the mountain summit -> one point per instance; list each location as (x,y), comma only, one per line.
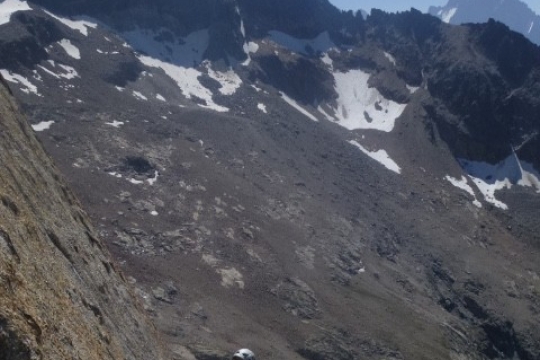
(297,180)
(514,13)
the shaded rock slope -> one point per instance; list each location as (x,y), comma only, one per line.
(294,179)
(62,297)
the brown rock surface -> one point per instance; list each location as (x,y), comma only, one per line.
(61,297)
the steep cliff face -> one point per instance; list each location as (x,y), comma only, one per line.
(61,296)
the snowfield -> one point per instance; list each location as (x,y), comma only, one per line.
(9,7)
(362,107)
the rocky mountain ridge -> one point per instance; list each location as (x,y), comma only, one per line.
(514,13)
(317,187)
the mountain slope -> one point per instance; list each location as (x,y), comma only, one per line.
(320,187)
(62,296)
(514,13)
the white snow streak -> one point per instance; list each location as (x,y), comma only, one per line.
(362,107)
(80,25)
(531,27)
(390,58)
(295,105)
(44,125)
(381,156)
(66,72)
(160,97)
(9,7)
(70,49)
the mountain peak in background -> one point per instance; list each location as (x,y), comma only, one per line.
(517,15)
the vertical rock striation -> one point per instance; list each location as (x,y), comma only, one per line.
(61,297)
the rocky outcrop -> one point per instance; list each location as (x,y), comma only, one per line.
(62,297)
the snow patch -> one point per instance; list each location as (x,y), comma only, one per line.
(81,24)
(321,44)
(262,107)
(412,89)
(390,58)
(139,95)
(9,7)
(249,48)
(295,105)
(160,97)
(66,72)
(115,123)
(362,107)
(509,172)
(531,27)
(44,125)
(325,114)
(381,156)
(447,15)
(187,80)
(464,185)
(229,80)
(27,86)
(153,180)
(70,49)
